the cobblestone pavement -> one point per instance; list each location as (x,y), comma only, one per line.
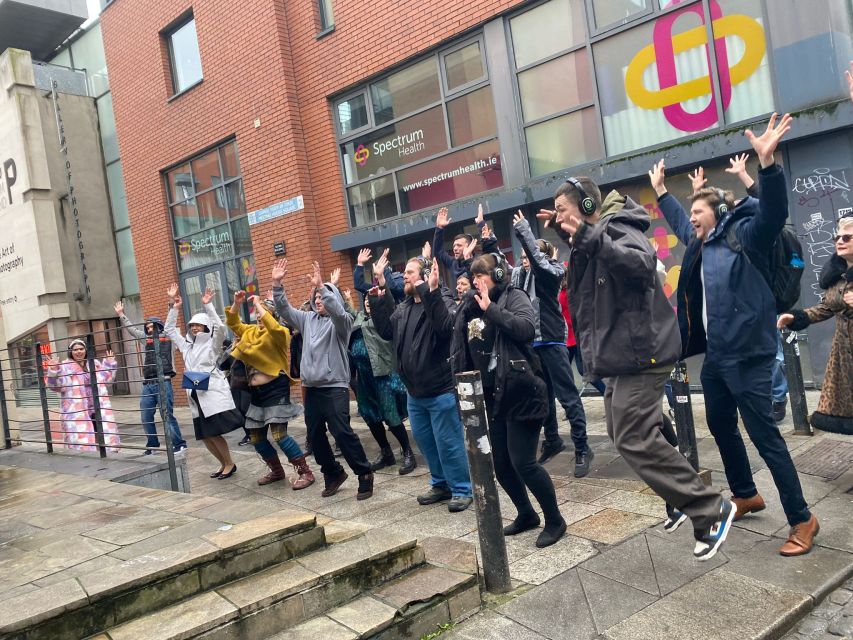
(831,619)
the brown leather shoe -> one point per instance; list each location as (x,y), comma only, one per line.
(801,538)
(333,483)
(748,505)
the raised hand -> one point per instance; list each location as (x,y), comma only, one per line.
(849,76)
(316,278)
(442,219)
(172,291)
(486,233)
(697,179)
(109,354)
(279,270)
(657,176)
(119,307)
(260,309)
(240,297)
(53,362)
(548,216)
(518,217)
(482,295)
(207,296)
(432,278)
(571,224)
(379,269)
(364,256)
(784,320)
(426,250)
(479,219)
(738,164)
(468,251)
(347,294)
(766,143)
(335,276)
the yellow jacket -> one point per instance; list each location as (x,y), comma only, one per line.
(265,348)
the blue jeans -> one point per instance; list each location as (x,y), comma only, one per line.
(561,383)
(780,382)
(148,403)
(438,431)
(745,387)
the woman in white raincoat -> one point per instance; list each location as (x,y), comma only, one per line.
(213,410)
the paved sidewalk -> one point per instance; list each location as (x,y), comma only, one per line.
(615,574)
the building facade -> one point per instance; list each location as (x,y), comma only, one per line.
(311,129)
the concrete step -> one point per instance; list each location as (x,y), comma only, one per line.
(410,606)
(83,605)
(283,595)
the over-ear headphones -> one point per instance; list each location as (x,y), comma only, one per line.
(501,270)
(587,204)
(722,208)
(425,265)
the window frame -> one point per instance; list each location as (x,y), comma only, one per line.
(167,34)
(442,67)
(326,25)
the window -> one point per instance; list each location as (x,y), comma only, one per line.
(184,56)
(612,12)
(546,30)
(327,16)
(420,136)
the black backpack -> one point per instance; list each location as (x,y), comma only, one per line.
(786,266)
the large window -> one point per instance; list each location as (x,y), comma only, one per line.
(211,230)
(421,136)
(184,56)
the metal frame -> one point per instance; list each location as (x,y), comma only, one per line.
(170,31)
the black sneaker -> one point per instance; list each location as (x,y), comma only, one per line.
(435,494)
(148,452)
(365,486)
(582,462)
(674,519)
(710,540)
(459,503)
(246,440)
(779,410)
(384,459)
(409,463)
(550,449)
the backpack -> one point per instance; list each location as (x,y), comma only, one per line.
(786,266)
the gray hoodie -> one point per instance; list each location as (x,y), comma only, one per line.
(325,362)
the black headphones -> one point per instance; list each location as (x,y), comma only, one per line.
(425,264)
(501,270)
(587,204)
(722,208)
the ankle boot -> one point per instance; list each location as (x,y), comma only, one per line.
(276,472)
(409,463)
(384,459)
(306,477)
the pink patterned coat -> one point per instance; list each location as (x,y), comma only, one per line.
(71,381)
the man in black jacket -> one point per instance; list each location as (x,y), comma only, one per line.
(422,351)
(628,335)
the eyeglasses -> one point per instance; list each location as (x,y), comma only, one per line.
(845,237)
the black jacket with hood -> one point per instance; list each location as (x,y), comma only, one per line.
(622,318)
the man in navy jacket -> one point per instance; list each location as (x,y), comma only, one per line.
(726,310)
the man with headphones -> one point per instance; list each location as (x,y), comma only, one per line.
(727,311)
(541,276)
(629,337)
(422,348)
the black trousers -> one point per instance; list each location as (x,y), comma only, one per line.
(328,407)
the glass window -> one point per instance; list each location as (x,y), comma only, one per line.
(352,114)
(211,207)
(456,175)
(235,201)
(62,59)
(230,164)
(212,245)
(567,141)
(185,218)
(387,148)
(195,284)
(107,124)
(547,29)
(556,85)
(327,16)
(186,60)
(127,262)
(464,66)
(372,201)
(206,171)
(472,117)
(653,82)
(242,236)
(118,199)
(88,54)
(608,12)
(405,91)
(809,36)
(180,182)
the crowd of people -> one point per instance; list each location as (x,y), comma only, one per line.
(604,308)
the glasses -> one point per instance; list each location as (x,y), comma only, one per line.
(845,237)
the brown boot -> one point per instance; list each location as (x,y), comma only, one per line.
(748,505)
(306,477)
(801,538)
(276,472)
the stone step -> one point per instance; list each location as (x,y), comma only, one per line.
(284,595)
(410,606)
(83,605)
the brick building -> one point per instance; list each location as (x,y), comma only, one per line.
(332,125)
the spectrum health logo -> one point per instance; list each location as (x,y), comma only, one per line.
(362,153)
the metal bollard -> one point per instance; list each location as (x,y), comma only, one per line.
(796,388)
(472,408)
(683,409)
(41,372)
(161,390)
(97,421)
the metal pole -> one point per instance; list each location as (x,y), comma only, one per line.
(96,398)
(161,390)
(472,408)
(683,409)
(4,415)
(796,388)
(40,372)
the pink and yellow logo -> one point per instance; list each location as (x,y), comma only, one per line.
(361,155)
(661,53)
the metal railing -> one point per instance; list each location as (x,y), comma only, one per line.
(86,419)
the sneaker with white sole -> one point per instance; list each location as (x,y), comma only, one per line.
(710,540)
(674,519)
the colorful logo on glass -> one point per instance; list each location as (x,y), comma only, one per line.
(361,155)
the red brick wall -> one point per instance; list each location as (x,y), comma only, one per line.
(260,59)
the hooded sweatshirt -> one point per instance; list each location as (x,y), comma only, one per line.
(324,362)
